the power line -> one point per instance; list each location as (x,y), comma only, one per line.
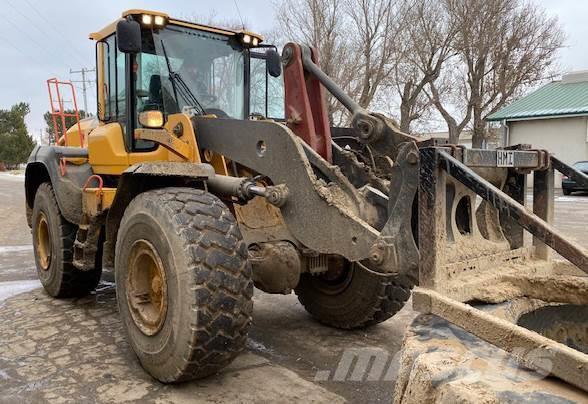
(44,33)
(83,72)
(50,24)
(26,55)
(33,40)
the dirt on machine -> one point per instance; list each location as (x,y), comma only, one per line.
(211,167)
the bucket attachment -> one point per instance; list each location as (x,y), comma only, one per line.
(472,218)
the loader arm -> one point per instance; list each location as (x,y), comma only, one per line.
(320,193)
(314,211)
(306,106)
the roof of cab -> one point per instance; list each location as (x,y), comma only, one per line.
(111,28)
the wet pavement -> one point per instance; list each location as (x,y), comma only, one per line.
(74,350)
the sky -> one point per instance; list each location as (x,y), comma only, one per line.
(41,39)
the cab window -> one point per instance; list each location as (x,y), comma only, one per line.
(266,95)
(183,70)
(111,82)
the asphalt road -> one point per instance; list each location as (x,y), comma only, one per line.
(74,350)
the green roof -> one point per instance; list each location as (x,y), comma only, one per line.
(554,99)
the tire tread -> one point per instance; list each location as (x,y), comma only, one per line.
(73,282)
(222,287)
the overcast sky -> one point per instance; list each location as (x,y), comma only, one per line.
(42,39)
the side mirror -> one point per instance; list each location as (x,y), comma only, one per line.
(274,63)
(128,36)
(151,119)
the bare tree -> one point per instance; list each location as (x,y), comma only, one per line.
(449,93)
(355,40)
(212,18)
(373,22)
(503,46)
(316,23)
(423,44)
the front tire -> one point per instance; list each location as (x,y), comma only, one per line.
(183,283)
(566,191)
(349,297)
(53,240)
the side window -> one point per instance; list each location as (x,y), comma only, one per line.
(275,97)
(121,88)
(258,82)
(149,92)
(106,75)
(266,96)
(112,89)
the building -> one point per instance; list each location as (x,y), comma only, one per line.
(554,117)
(494,138)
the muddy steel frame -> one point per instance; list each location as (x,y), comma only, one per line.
(494,228)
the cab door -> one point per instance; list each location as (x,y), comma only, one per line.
(111,146)
(107,149)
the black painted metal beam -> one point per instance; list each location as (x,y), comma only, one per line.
(509,207)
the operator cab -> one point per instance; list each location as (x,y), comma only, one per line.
(148,61)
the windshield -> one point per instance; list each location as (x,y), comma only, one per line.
(582,165)
(210,66)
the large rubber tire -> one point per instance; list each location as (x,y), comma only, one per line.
(356,299)
(566,191)
(208,289)
(59,278)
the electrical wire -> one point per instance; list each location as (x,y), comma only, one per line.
(33,40)
(43,32)
(59,32)
(26,55)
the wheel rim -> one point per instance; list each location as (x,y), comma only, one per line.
(337,278)
(44,246)
(146,290)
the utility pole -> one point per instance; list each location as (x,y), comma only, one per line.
(83,72)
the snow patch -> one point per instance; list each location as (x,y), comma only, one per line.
(12,177)
(15,248)
(570,199)
(13,288)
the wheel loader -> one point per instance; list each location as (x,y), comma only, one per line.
(211,167)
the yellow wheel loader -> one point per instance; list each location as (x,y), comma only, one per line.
(211,168)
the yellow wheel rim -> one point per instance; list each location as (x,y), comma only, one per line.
(146,288)
(44,246)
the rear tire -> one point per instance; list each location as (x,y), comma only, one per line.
(53,240)
(355,298)
(566,191)
(188,315)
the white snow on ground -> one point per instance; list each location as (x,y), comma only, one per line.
(9,289)
(13,177)
(581,199)
(15,248)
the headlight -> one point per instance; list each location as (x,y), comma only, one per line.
(249,39)
(158,21)
(151,119)
(146,19)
